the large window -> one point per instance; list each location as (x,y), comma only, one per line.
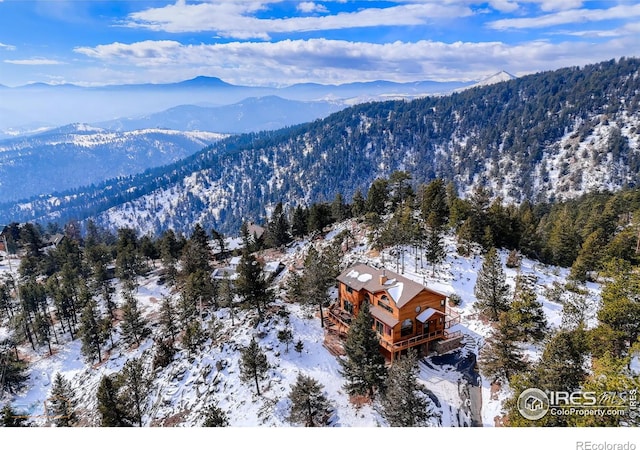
(349,290)
(407,328)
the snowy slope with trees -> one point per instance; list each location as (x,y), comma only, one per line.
(208,372)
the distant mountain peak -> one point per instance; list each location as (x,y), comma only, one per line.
(496,78)
(204,81)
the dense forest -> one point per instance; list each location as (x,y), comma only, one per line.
(544,137)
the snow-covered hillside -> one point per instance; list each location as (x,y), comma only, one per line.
(180,391)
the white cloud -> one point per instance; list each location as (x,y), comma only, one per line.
(336,61)
(33,62)
(235,19)
(6,46)
(567,17)
(311,7)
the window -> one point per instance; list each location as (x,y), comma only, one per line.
(367,298)
(385,307)
(348,307)
(384,298)
(382,328)
(379,327)
(407,328)
(441,302)
(349,290)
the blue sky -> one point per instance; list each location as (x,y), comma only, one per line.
(91,42)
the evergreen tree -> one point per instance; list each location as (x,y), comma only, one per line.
(377,197)
(196,254)
(526,311)
(299,347)
(91,332)
(253,364)
(358,207)
(435,249)
(299,222)
(135,387)
(61,402)
(12,372)
(128,259)
(9,418)
(339,211)
(309,405)
(226,294)
(168,319)
(277,232)
(400,188)
(563,241)
(286,336)
(251,284)
(589,257)
(316,280)
(215,417)
(405,402)
(110,404)
(169,254)
(501,357)
(433,206)
(133,326)
(620,310)
(363,365)
(491,289)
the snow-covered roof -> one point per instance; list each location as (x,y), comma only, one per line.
(427,313)
(235,260)
(399,288)
(272,266)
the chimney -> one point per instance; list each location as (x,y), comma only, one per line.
(383,277)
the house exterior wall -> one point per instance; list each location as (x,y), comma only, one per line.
(425,299)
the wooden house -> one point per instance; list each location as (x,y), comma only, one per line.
(406,314)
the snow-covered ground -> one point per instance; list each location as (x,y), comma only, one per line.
(190,383)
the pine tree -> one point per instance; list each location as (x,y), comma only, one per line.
(91,332)
(315,281)
(363,365)
(10,419)
(309,405)
(135,388)
(405,402)
(435,251)
(215,417)
(501,357)
(588,259)
(61,402)
(168,320)
(285,336)
(277,232)
(378,196)
(251,284)
(133,326)
(226,295)
(128,258)
(490,289)
(338,208)
(12,373)
(299,222)
(253,364)
(434,202)
(110,404)
(358,204)
(526,311)
(299,347)
(196,254)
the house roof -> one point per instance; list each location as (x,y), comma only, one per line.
(400,289)
(256,230)
(427,313)
(383,316)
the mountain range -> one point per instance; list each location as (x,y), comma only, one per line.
(545,136)
(36,105)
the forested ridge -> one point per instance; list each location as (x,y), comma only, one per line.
(546,136)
